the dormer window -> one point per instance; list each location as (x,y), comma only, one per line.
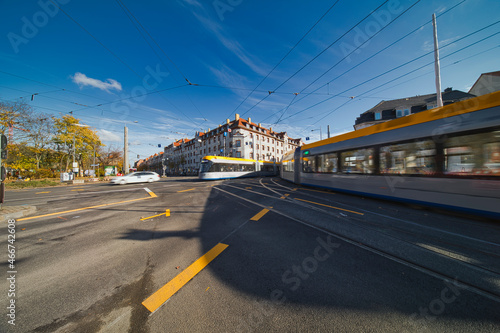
(399,113)
(378,115)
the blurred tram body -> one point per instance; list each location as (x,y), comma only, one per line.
(218,167)
(446,157)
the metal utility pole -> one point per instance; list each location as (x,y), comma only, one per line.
(436,64)
(125,150)
(93,165)
(328,131)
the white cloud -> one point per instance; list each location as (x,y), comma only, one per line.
(84,80)
(105,135)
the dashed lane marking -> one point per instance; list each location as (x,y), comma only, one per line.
(320,204)
(152,195)
(163,294)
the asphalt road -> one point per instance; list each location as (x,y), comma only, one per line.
(244,255)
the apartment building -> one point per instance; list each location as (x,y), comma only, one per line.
(238,138)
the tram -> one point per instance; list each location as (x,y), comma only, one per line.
(447,157)
(219,167)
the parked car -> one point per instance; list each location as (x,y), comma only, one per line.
(136,177)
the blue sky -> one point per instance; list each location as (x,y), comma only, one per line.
(123,62)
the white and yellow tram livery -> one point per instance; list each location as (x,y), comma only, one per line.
(446,157)
(219,167)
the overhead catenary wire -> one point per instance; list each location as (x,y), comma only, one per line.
(402,65)
(136,22)
(318,55)
(305,95)
(285,56)
(113,54)
(413,71)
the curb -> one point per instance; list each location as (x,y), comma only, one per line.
(15,212)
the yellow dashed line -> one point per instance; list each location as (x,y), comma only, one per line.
(317,203)
(260,214)
(154,301)
(185,190)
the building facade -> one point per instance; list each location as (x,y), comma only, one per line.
(387,110)
(486,83)
(238,138)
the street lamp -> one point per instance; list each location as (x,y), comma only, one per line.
(320,135)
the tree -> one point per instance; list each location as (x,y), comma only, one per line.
(75,139)
(110,156)
(40,128)
(13,116)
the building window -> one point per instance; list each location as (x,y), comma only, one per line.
(406,112)
(238,143)
(238,154)
(263,148)
(378,115)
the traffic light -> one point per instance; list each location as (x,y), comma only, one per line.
(3,147)
(3,156)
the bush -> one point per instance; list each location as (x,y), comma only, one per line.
(31,184)
(43,173)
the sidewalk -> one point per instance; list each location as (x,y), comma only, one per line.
(15,212)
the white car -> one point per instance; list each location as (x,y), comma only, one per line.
(136,177)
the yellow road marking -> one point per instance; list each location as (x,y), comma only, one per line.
(185,190)
(167,213)
(294,189)
(317,203)
(306,189)
(248,188)
(42,192)
(85,208)
(260,214)
(79,189)
(150,193)
(154,301)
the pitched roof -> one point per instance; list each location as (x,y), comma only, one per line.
(449,96)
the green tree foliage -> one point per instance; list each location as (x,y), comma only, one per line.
(39,144)
(76,140)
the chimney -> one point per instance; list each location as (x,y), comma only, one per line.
(270,129)
(227,121)
(260,125)
(249,120)
(237,117)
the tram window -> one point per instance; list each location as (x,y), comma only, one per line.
(247,167)
(267,168)
(288,166)
(358,161)
(476,154)
(309,164)
(408,158)
(327,163)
